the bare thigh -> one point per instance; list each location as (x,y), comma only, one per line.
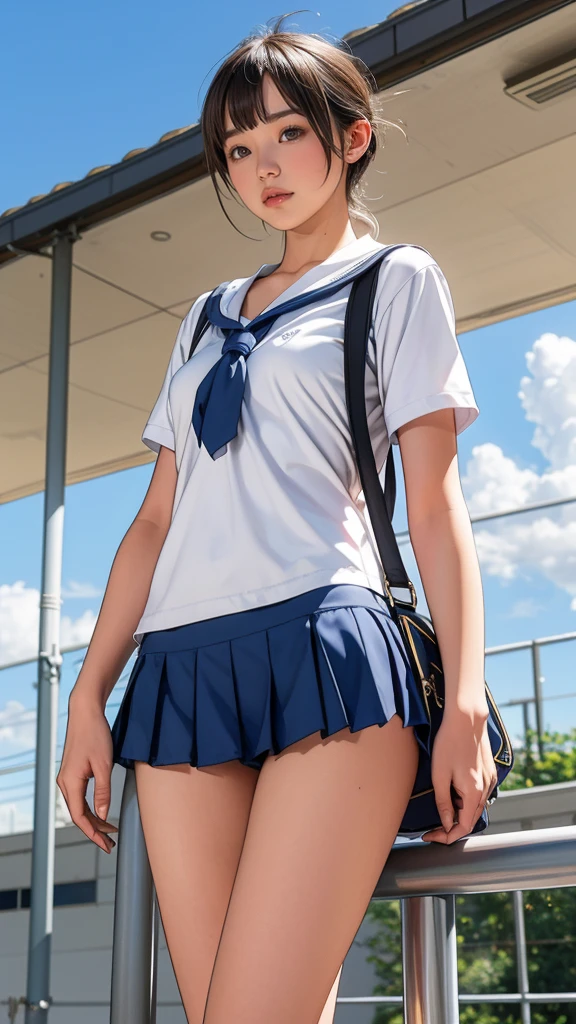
(324,816)
(194,821)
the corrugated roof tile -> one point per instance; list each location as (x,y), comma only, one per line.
(98,170)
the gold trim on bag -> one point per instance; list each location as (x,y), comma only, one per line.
(431,684)
(428,686)
(423,792)
(505,735)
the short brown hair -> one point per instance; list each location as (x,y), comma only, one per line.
(314,76)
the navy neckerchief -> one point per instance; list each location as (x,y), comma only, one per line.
(219,396)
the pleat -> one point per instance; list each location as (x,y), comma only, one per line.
(341,642)
(407,694)
(175,715)
(120,725)
(297,709)
(253,677)
(255,694)
(217,725)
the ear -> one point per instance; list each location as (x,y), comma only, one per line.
(358,136)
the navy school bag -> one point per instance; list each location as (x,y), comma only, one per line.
(416,630)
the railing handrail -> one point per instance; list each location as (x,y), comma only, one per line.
(519,645)
(526,645)
(543,858)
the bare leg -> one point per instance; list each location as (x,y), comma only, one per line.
(194,821)
(324,816)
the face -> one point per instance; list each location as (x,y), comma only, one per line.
(285,155)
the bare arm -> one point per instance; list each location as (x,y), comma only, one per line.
(128,587)
(441,535)
(443,543)
(88,744)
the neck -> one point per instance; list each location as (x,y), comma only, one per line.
(314,241)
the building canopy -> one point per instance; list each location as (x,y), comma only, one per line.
(484,179)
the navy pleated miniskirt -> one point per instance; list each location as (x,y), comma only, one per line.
(251,683)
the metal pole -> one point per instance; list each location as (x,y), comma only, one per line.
(133,941)
(154,964)
(429,960)
(49,658)
(527,742)
(526,723)
(537,676)
(521,958)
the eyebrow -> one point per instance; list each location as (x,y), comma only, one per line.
(271,117)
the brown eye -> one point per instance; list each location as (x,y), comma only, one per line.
(293,128)
(233,150)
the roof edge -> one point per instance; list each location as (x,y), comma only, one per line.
(419,35)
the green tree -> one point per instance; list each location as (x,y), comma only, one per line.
(557,765)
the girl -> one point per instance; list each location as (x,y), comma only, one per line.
(267,716)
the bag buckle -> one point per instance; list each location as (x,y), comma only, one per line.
(398,600)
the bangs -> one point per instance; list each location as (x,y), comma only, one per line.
(238,90)
(294,78)
(317,80)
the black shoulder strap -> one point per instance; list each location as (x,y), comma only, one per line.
(380,503)
(201,325)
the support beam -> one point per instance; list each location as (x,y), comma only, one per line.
(49,659)
(429,960)
(537,682)
(521,956)
(136,923)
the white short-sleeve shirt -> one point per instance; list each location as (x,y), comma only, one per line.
(282,512)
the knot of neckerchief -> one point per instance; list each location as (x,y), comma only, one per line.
(219,397)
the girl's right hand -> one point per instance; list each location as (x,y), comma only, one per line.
(88,753)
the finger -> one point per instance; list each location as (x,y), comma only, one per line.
(481,805)
(98,823)
(486,793)
(492,786)
(84,818)
(477,814)
(467,815)
(105,842)
(102,790)
(438,835)
(458,832)
(444,803)
(486,789)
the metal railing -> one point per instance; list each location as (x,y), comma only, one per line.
(537,698)
(425,877)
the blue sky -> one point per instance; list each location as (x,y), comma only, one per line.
(86,85)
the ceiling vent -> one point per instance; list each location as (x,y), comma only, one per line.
(548,83)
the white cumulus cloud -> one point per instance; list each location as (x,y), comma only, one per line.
(541,541)
(80,590)
(17,726)
(20,621)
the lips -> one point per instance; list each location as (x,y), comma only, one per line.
(276,197)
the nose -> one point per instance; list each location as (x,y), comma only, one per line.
(267,165)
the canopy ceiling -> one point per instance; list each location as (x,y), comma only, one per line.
(484,182)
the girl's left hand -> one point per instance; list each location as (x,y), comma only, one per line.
(461,758)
